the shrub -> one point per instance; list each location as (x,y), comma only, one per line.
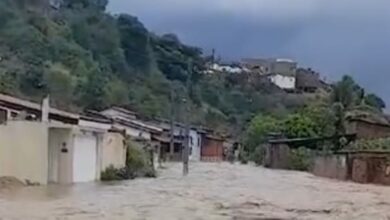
(136,158)
(258,155)
(111,174)
(300,159)
(373,144)
(243,157)
(138,162)
(258,130)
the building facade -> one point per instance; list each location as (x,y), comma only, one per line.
(307,80)
(212,149)
(367,129)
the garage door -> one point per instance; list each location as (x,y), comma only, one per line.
(84,159)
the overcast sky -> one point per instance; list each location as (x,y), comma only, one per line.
(334,37)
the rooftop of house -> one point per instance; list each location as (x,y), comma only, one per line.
(298,142)
(284,60)
(20,104)
(166,125)
(372,117)
(385,152)
(215,137)
(267,60)
(120,110)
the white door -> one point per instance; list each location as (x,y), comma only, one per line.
(84,158)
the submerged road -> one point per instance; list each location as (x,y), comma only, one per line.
(211,191)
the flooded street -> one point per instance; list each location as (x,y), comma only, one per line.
(211,191)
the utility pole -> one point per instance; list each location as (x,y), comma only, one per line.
(187,121)
(172,122)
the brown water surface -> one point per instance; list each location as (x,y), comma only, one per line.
(211,191)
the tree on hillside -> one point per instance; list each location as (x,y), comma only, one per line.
(345,92)
(258,131)
(375,101)
(76,4)
(346,96)
(135,42)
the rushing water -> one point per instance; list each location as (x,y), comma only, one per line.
(211,191)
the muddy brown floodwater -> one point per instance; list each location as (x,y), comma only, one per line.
(211,191)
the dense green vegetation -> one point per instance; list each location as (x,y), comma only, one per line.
(373,144)
(323,117)
(86,58)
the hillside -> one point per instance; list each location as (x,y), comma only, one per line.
(86,58)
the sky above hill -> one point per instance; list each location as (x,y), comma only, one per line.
(335,37)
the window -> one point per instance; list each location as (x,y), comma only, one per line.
(177,148)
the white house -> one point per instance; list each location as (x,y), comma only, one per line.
(283,81)
(226,68)
(44,145)
(75,154)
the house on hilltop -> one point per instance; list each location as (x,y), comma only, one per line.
(307,80)
(281,72)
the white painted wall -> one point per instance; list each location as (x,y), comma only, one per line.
(282,81)
(24,151)
(195,145)
(114,151)
(226,68)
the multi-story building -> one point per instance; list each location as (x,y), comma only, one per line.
(281,72)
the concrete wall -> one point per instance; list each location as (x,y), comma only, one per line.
(277,156)
(24,151)
(114,151)
(284,67)
(370,168)
(331,166)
